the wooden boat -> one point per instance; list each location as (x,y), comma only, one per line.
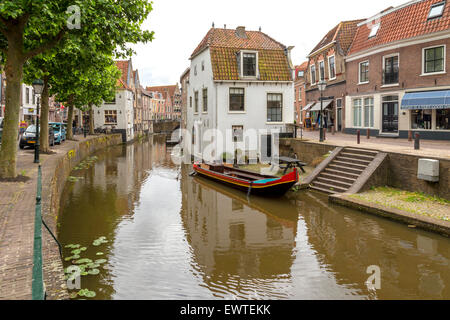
(250,182)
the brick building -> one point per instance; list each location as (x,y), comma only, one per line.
(397,77)
(171,97)
(300,94)
(327,62)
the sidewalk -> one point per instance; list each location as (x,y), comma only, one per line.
(428,148)
(17,211)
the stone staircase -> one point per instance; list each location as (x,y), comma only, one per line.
(343,171)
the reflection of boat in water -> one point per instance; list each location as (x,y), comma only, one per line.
(284,212)
(251,182)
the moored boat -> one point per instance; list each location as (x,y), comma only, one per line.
(250,182)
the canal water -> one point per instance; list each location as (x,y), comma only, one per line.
(173,236)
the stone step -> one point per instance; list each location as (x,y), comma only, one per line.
(353,160)
(338,167)
(342,177)
(341,173)
(357,156)
(361,151)
(323,190)
(330,187)
(351,165)
(334,182)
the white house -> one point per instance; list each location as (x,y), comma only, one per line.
(118,115)
(28,105)
(241,84)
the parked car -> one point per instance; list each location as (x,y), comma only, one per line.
(1,129)
(60,132)
(29,137)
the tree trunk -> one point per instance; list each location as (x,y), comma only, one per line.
(91,119)
(70,119)
(14,72)
(43,132)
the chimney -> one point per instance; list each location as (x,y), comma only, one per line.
(240,32)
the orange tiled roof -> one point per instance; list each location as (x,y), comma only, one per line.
(302,67)
(343,34)
(224,44)
(166,91)
(405,22)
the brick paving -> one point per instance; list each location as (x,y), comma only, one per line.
(17,210)
(428,148)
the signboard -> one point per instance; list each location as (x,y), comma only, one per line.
(29,111)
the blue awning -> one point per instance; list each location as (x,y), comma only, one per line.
(426,100)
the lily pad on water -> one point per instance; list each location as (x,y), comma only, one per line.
(100,261)
(94,272)
(86,293)
(99,254)
(72,246)
(76,251)
(83,261)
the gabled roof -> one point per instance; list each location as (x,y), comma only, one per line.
(166,91)
(125,67)
(406,21)
(343,34)
(302,67)
(225,44)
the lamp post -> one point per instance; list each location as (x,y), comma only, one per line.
(38,86)
(322,85)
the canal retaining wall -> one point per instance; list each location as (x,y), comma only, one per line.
(55,174)
(401,168)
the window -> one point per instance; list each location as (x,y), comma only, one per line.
(357,112)
(299,93)
(27,95)
(339,103)
(205,100)
(274,107)
(421,119)
(313,74)
(374,30)
(203,65)
(436,10)
(391,70)
(434,60)
(364,72)
(322,70)
(111,117)
(368,113)
(34,96)
(300,74)
(249,64)
(443,119)
(195,70)
(196,102)
(237,99)
(332,67)
(238,133)
(190,102)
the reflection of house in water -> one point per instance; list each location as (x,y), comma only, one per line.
(412,264)
(232,239)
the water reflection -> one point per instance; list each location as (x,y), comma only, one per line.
(172,236)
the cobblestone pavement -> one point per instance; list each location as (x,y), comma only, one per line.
(17,211)
(430,148)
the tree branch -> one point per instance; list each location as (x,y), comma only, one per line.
(47,46)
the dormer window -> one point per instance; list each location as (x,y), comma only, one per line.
(436,10)
(374,30)
(249,63)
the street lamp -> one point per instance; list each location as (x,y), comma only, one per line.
(322,85)
(38,86)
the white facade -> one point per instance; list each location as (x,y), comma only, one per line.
(218,114)
(27,103)
(121,110)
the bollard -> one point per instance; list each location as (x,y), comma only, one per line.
(410,135)
(358,136)
(368,134)
(417,141)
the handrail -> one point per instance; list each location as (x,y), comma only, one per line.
(37,287)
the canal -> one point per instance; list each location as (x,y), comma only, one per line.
(167,235)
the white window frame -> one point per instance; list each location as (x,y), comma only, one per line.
(311,74)
(397,54)
(359,72)
(438,4)
(423,61)
(320,75)
(374,30)
(361,106)
(329,67)
(241,56)
(229,100)
(363,113)
(282,108)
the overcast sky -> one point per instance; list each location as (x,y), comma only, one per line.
(180,25)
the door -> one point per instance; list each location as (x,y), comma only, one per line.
(266,147)
(390,117)
(339,115)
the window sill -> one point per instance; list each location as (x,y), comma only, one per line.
(390,85)
(274,123)
(331,79)
(432,74)
(361,83)
(237,112)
